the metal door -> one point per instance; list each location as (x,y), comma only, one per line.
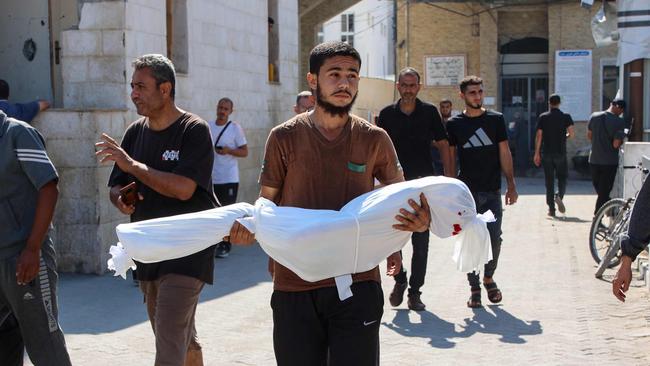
(523,98)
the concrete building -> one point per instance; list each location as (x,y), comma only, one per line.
(523,52)
(368,26)
(78,54)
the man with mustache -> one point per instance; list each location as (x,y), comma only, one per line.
(322,160)
(414,127)
(480,139)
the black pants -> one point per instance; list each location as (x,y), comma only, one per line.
(226,195)
(555,165)
(11,351)
(420,243)
(602,177)
(316,328)
(489,201)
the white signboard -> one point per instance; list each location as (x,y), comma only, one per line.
(444,70)
(573,82)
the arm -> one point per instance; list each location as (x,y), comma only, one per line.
(538,147)
(240,152)
(443,149)
(452,161)
(617,143)
(505,159)
(28,263)
(570,132)
(167,184)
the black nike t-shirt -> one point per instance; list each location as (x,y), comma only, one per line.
(477,144)
(183,148)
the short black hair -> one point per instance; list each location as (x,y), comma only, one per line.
(4,89)
(470,80)
(619,102)
(227,100)
(554,99)
(326,50)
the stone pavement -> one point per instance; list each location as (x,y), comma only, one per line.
(554,311)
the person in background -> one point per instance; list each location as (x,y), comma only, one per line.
(20,111)
(304,102)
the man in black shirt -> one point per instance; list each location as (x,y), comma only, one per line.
(414,126)
(553,128)
(168,154)
(480,139)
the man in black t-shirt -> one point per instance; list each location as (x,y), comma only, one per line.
(168,154)
(479,138)
(414,126)
(553,128)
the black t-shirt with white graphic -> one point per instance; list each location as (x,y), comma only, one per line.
(477,143)
(183,148)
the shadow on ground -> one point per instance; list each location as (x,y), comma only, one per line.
(100,304)
(441,333)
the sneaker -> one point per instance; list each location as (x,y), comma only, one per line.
(560,204)
(222,251)
(551,213)
(397,295)
(415,303)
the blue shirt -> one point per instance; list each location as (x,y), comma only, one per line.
(21,111)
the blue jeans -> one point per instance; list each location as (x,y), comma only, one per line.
(489,201)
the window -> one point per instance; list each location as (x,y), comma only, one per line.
(273,42)
(347,28)
(609,82)
(177,34)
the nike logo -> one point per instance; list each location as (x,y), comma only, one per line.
(365,323)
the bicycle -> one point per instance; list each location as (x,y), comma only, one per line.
(608,227)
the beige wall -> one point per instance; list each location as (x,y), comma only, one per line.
(374,95)
(432,31)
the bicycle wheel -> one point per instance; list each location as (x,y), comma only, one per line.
(600,235)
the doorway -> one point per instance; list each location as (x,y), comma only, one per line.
(523,98)
(64,15)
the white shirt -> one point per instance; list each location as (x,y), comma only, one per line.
(225,168)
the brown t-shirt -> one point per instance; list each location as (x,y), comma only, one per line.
(315,173)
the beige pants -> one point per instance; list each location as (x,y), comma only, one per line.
(171,305)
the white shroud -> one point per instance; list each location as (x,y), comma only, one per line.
(318,244)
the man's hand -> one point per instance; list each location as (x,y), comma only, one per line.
(110,150)
(27,265)
(394,264)
(43,105)
(623,277)
(537,160)
(223,151)
(415,222)
(124,208)
(511,195)
(239,235)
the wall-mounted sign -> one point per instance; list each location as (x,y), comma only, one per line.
(573,82)
(446,70)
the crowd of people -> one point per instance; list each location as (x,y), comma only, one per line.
(322,158)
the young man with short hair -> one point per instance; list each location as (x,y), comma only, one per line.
(479,138)
(230,145)
(553,129)
(322,160)
(304,102)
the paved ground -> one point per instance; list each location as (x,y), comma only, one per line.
(554,311)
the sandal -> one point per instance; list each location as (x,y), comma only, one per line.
(474,301)
(494,294)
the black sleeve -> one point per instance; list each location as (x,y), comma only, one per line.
(638,235)
(502,134)
(437,127)
(196,157)
(540,123)
(118,177)
(569,120)
(451,137)
(381,120)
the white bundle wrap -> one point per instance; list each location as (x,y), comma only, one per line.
(172,237)
(318,244)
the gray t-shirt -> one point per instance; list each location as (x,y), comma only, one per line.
(605,127)
(24,168)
